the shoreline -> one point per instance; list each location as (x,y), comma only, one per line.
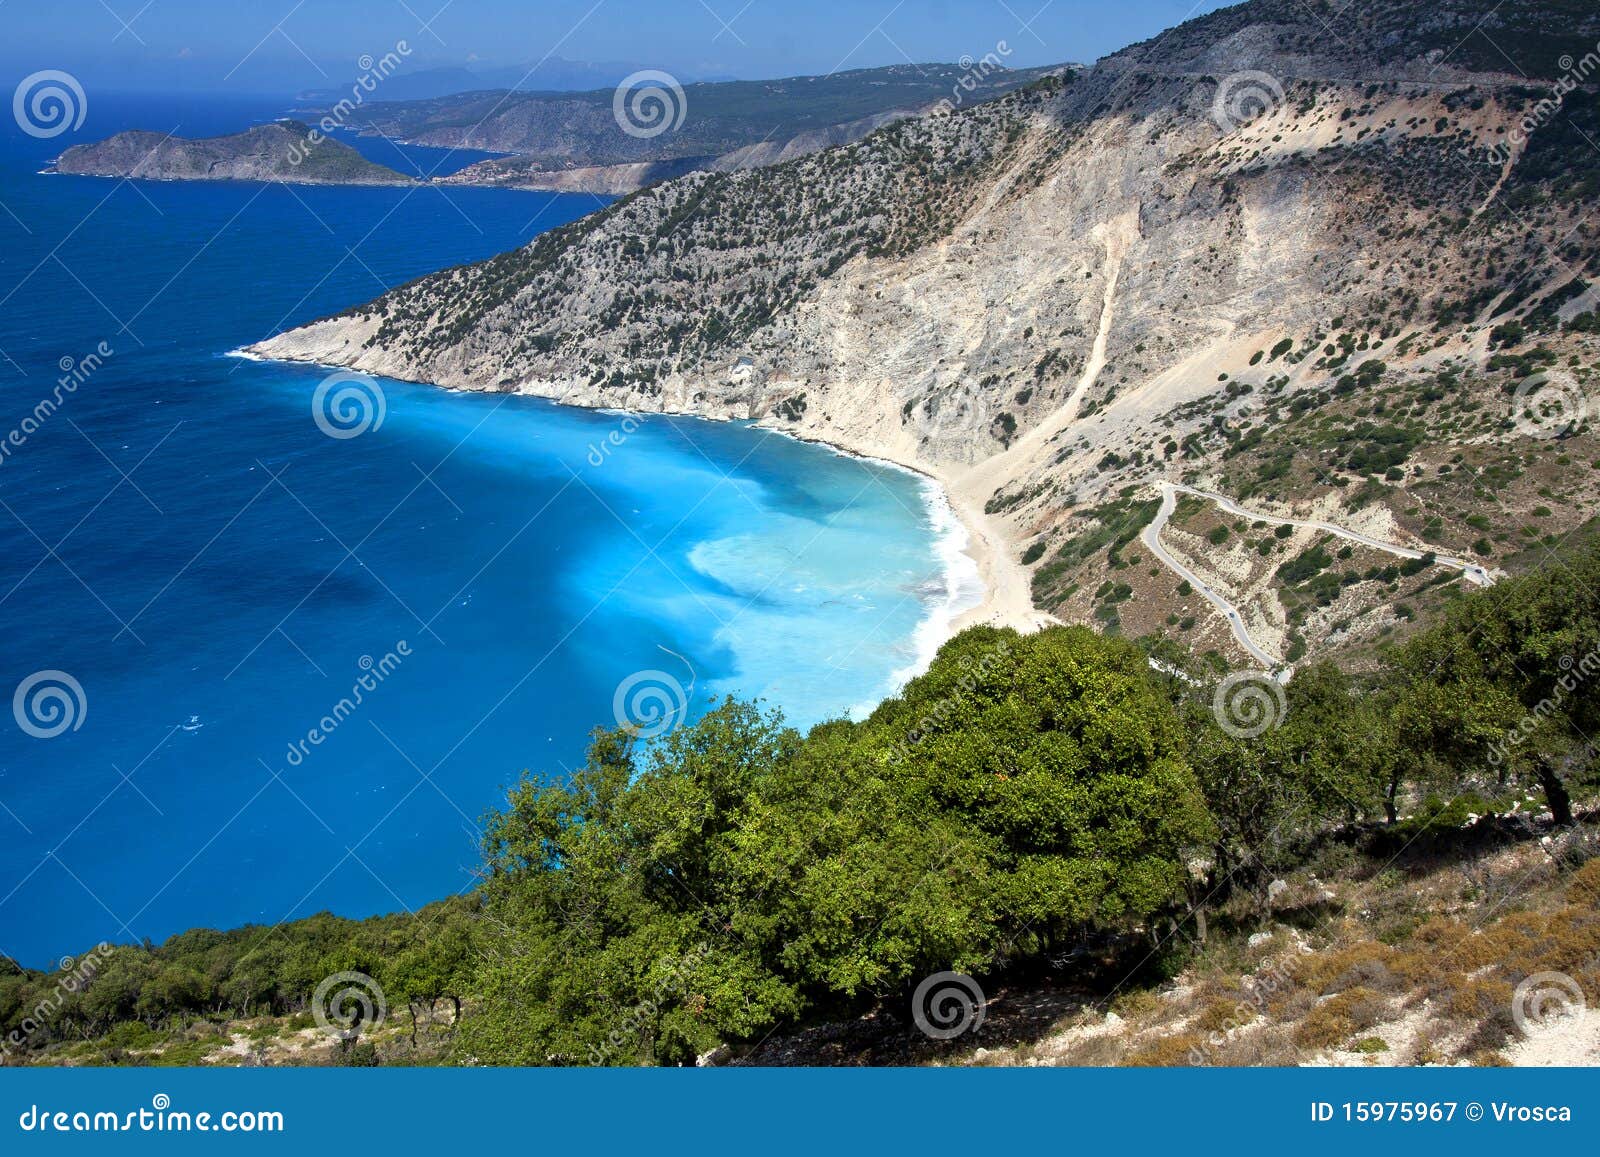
(1006,596)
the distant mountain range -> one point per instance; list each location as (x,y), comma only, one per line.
(552,75)
(590,141)
(586,142)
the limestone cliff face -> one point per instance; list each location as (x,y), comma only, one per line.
(1045,297)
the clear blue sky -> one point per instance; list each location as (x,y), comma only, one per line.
(285,45)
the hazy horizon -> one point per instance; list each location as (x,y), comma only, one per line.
(283,47)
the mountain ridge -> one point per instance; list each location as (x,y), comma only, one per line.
(1053,299)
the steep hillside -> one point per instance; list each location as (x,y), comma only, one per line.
(1355,960)
(1310,258)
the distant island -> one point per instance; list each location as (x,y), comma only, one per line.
(1262,360)
(612,142)
(601,142)
(282,151)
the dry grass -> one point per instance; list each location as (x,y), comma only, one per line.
(1416,967)
(1184,1048)
(1332,1022)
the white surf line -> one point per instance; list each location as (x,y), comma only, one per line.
(1471,571)
(1151,537)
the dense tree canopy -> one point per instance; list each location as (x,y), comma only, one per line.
(1022,791)
(1026,794)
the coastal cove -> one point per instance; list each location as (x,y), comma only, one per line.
(986,580)
(220,576)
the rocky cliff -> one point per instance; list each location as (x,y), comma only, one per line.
(1304,254)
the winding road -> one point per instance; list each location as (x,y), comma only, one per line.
(1151,536)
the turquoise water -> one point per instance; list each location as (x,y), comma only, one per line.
(497,575)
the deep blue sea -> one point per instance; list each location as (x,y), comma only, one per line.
(180,540)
